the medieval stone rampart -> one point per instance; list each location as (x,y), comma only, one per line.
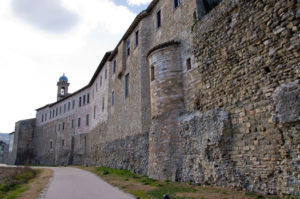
(188,94)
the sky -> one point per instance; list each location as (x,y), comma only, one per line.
(42,39)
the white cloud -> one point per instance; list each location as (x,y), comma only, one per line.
(138,2)
(31,59)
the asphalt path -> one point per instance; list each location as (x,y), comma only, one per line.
(73,183)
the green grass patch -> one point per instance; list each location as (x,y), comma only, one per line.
(169,189)
(13,181)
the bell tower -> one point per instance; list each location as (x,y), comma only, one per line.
(62,87)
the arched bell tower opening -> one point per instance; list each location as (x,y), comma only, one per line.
(62,87)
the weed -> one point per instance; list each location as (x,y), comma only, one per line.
(224,192)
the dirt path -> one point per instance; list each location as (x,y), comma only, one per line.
(37,185)
(73,183)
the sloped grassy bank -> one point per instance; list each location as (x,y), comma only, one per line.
(146,188)
(13,181)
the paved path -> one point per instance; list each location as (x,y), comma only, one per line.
(73,183)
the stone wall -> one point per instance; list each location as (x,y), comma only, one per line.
(22,150)
(246,63)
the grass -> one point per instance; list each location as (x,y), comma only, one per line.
(13,181)
(143,187)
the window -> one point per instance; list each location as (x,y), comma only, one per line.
(63,126)
(114,66)
(65,108)
(152,73)
(78,122)
(127,85)
(60,110)
(73,104)
(93,93)
(79,101)
(84,100)
(188,64)
(176,3)
(158,19)
(63,142)
(72,124)
(87,120)
(58,127)
(113,98)
(100,81)
(88,98)
(136,38)
(53,113)
(105,74)
(51,144)
(45,116)
(56,111)
(94,112)
(205,6)
(42,117)
(102,103)
(127,47)
(69,106)
(50,115)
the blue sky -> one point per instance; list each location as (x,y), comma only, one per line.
(134,8)
(42,39)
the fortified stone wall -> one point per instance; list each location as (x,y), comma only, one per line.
(22,151)
(243,95)
(214,101)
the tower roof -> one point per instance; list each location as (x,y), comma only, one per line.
(63,78)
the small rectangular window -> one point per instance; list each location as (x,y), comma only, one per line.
(79,101)
(65,108)
(114,66)
(112,98)
(51,144)
(58,127)
(73,104)
(50,114)
(176,3)
(88,98)
(188,64)
(87,120)
(100,81)
(105,74)
(45,116)
(127,47)
(78,122)
(127,85)
(136,38)
(56,111)
(158,19)
(83,100)
(60,110)
(102,103)
(69,106)
(63,126)
(152,73)
(72,124)
(42,117)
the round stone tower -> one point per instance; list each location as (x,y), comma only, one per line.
(62,87)
(166,106)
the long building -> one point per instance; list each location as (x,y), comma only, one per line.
(196,90)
